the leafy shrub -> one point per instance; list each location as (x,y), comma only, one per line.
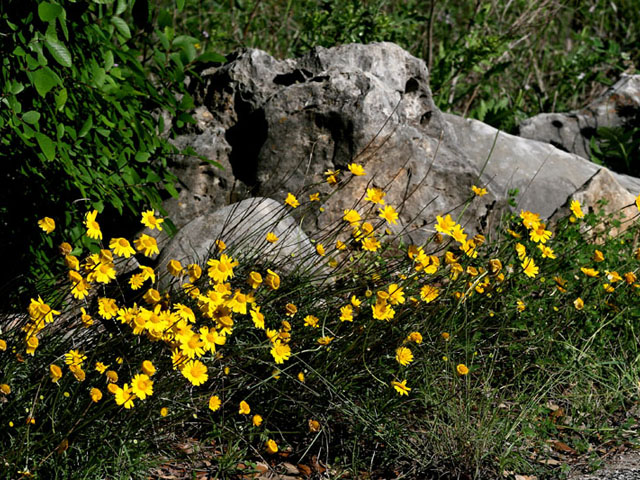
(83,89)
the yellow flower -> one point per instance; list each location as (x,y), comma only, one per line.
(578,303)
(311,321)
(152,296)
(271,446)
(112,376)
(539,234)
(142,386)
(320,249)
(95,394)
(598,256)
(325,340)
(148,273)
(445,336)
(93,227)
(547,252)
(428,293)
(136,281)
(351,216)
(401,387)
(38,310)
(375,195)
(444,225)
(457,232)
(214,403)
(346,313)
(370,244)
(314,197)
(195,371)
(340,245)
(149,220)
(221,270)
(195,271)
(576,209)
(221,245)
(415,337)
(47,224)
(74,357)
(72,262)
(65,248)
(356,169)
(314,425)
(529,268)
(3,344)
(79,286)
(389,214)
(55,372)
(292,201)
(462,369)
(245,409)
(271,237)
(101,367)
(530,220)
(590,272)
(301,377)
(121,247)
(4,388)
(332,176)
(479,191)
(125,396)
(256,420)
(522,251)
(404,356)
(175,268)
(147,245)
(164,411)
(280,351)
(520,306)
(272,280)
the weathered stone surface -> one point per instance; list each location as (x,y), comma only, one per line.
(289,121)
(243,227)
(277,125)
(544,175)
(604,186)
(572,131)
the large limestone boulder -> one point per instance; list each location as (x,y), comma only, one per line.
(573,131)
(544,175)
(243,227)
(277,125)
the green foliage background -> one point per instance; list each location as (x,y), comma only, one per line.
(82,87)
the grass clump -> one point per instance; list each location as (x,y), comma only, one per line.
(468,356)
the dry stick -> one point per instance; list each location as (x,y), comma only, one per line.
(430,36)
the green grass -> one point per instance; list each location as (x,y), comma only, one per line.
(543,375)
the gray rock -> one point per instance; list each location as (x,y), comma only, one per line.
(544,175)
(243,227)
(625,466)
(572,131)
(277,125)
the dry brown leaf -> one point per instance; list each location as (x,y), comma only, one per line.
(305,470)
(550,461)
(562,447)
(526,477)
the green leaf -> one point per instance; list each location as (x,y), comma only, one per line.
(180,5)
(86,126)
(31,117)
(121,7)
(142,157)
(46,145)
(44,79)
(171,189)
(61,98)
(49,11)
(108,60)
(121,27)
(211,57)
(58,51)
